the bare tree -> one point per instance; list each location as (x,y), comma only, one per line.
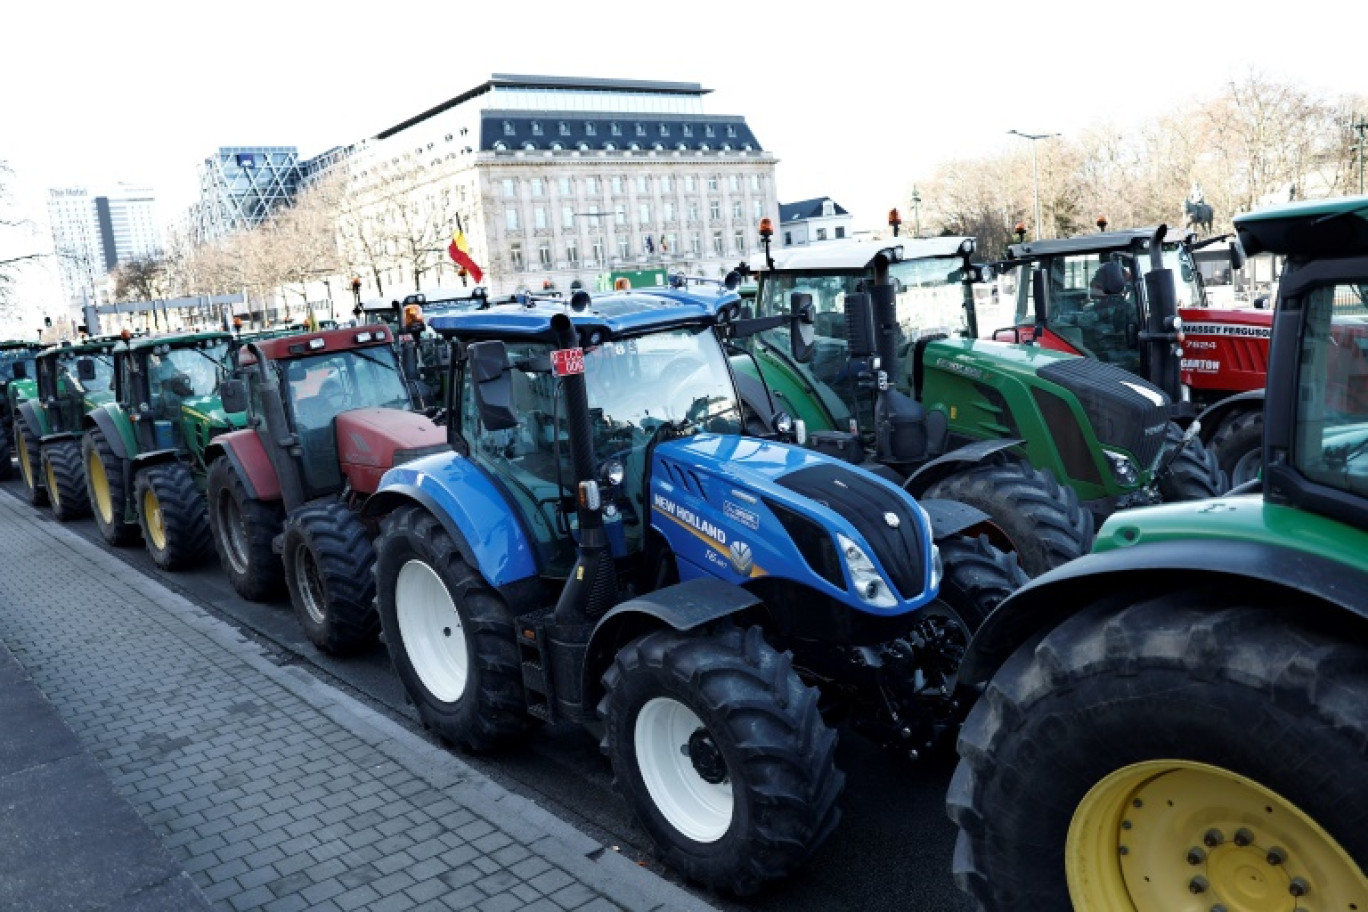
(15,230)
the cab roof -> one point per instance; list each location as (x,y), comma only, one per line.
(615,313)
(1098,241)
(1310,228)
(179,340)
(859,253)
(97,344)
(301,345)
(13,344)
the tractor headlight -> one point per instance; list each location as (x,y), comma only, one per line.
(783,423)
(612,472)
(937,567)
(868,584)
(1123,468)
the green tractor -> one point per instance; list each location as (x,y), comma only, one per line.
(16,370)
(144,451)
(69,381)
(1044,443)
(1179,720)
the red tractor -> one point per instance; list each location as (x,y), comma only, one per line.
(329,413)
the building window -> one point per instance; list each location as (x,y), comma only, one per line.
(840,232)
(590,129)
(620,214)
(686,129)
(755,182)
(693,211)
(515,257)
(667,243)
(668,213)
(564,184)
(717,243)
(707,129)
(501,146)
(536,128)
(736,209)
(508,128)
(557,147)
(617,184)
(544,254)
(664,129)
(536,186)
(640,129)
(510,188)
(539,218)
(740,240)
(712,183)
(644,210)
(624,247)
(591,185)
(598,251)
(821,234)
(567,217)
(689,184)
(572,253)
(563,128)
(734,183)
(696,244)
(788,238)
(643,184)
(758,210)
(828,208)
(666,184)
(511,219)
(714,209)
(731,131)
(615,129)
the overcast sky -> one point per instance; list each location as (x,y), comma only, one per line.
(857,99)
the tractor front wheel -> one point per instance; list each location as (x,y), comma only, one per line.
(722,754)
(171,512)
(1194,475)
(328,561)
(243,529)
(450,635)
(105,489)
(1238,444)
(65,479)
(1137,757)
(1042,518)
(29,464)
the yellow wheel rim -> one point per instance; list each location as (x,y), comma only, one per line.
(152,516)
(99,488)
(24,466)
(1175,836)
(51,477)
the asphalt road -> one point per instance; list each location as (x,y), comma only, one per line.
(891,851)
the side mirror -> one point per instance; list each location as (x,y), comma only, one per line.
(1260,303)
(85,369)
(802,327)
(20,370)
(1040,294)
(859,318)
(492,384)
(1237,256)
(233,395)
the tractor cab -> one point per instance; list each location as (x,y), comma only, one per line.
(73,379)
(170,388)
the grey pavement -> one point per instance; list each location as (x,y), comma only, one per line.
(257,785)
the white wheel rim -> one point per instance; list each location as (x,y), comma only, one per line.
(430,627)
(699,809)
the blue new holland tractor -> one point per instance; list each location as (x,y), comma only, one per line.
(611,543)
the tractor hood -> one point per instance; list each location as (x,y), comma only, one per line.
(745,509)
(372,440)
(209,409)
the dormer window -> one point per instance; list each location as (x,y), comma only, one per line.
(563,128)
(640,129)
(536,128)
(529,147)
(501,146)
(664,129)
(828,208)
(590,129)
(615,129)
(731,131)
(685,130)
(707,129)
(508,128)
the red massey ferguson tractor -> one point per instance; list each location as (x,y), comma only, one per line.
(329,413)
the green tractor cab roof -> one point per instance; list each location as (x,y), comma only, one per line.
(858,253)
(597,316)
(179,340)
(24,345)
(86,347)
(1312,228)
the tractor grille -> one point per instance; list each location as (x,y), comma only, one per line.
(1122,417)
(863,502)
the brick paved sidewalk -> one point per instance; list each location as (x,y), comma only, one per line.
(272,789)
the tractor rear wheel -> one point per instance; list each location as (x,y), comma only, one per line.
(1137,756)
(26,445)
(105,489)
(1238,444)
(65,480)
(451,637)
(171,513)
(328,561)
(722,755)
(1043,519)
(1194,475)
(243,529)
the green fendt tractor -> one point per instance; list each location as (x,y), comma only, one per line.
(16,369)
(70,380)
(1041,441)
(1179,720)
(144,451)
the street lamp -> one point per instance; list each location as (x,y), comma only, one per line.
(916,211)
(1360,126)
(1035,169)
(357,311)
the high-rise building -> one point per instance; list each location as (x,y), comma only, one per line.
(557,181)
(241,185)
(93,234)
(128,224)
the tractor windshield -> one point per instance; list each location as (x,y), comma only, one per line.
(1331,444)
(1186,280)
(8,359)
(320,387)
(103,380)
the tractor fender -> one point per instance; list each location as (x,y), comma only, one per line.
(118,433)
(152,458)
(950,517)
(247,455)
(951,462)
(60,435)
(1322,586)
(1215,414)
(682,606)
(470,506)
(32,418)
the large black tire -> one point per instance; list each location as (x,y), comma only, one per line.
(105,489)
(976,578)
(6,455)
(65,479)
(1042,518)
(1238,445)
(30,464)
(743,778)
(171,514)
(244,528)
(1194,475)
(450,636)
(328,569)
(1214,697)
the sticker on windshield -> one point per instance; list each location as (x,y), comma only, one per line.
(567,361)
